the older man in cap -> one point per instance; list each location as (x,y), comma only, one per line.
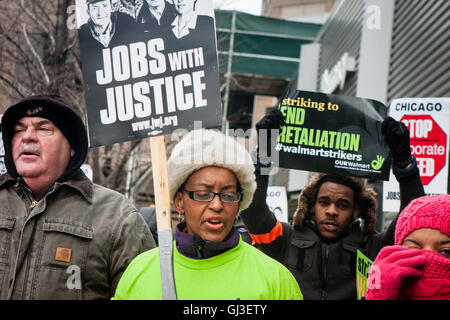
(62,237)
(105,28)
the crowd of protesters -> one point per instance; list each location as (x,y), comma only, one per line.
(65,237)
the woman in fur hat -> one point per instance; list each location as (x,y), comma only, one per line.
(417,267)
(211,179)
(335,217)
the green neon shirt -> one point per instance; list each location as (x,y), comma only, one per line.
(242,272)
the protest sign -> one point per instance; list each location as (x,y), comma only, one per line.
(428,122)
(363,265)
(334,134)
(145,76)
(277,202)
(143,79)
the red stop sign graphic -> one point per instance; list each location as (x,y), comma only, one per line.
(428,145)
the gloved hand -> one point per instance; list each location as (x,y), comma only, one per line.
(397,137)
(273,120)
(392,265)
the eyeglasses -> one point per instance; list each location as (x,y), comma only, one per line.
(205,196)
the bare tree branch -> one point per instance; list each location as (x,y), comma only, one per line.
(38,22)
(35,54)
(14,42)
(13,86)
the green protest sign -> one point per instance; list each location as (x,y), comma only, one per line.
(333,134)
(363,265)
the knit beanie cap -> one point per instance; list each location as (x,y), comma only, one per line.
(63,116)
(425,212)
(203,148)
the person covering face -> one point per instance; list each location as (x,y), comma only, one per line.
(417,267)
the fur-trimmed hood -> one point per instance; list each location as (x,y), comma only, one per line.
(366,201)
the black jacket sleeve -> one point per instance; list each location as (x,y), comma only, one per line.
(411,187)
(267,233)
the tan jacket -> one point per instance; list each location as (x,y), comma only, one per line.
(74,243)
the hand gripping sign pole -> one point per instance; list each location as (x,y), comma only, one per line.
(163,216)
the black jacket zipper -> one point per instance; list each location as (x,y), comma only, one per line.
(325,272)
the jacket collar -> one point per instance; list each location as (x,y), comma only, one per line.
(6,178)
(194,247)
(353,229)
(77,181)
(81,183)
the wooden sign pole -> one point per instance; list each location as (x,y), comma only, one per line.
(163,216)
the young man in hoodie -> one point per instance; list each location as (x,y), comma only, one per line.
(62,236)
(320,247)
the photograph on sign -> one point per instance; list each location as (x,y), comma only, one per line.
(145,77)
(334,134)
(428,122)
(277,202)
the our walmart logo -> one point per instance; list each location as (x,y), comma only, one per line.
(378,163)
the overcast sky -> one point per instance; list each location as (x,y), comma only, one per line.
(248,6)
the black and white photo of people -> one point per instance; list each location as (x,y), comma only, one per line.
(107,22)
(144,61)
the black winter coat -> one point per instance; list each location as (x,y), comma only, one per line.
(324,269)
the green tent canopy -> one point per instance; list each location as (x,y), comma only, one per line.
(261,46)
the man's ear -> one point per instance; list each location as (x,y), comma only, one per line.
(178,202)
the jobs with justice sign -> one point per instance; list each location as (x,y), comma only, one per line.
(144,78)
(334,134)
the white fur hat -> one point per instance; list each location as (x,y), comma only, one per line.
(203,148)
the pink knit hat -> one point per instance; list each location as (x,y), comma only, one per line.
(425,212)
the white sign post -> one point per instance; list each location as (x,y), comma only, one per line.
(2,151)
(428,121)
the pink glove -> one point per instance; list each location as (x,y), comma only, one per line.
(392,265)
